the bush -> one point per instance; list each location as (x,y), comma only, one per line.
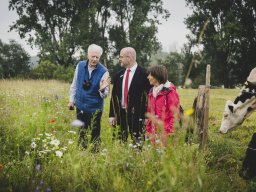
(48,70)
(44,70)
(65,74)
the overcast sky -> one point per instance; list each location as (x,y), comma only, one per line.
(171,33)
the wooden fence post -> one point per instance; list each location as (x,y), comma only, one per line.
(202,110)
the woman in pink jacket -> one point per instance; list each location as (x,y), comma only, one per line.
(163,105)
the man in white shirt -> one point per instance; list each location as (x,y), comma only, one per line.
(89,87)
(129,95)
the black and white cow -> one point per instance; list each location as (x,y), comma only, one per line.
(243,106)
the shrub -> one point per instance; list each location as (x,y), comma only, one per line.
(65,74)
(44,70)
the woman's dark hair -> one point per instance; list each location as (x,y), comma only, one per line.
(159,72)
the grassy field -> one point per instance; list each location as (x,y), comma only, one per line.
(38,148)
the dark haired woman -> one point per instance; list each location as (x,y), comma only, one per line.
(163,105)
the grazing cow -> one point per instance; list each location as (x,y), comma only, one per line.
(243,106)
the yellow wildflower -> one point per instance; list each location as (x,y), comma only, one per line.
(189,112)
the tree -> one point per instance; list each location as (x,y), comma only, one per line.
(45,70)
(229,39)
(174,63)
(14,60)
(60,28)
(136,25)
(53,26)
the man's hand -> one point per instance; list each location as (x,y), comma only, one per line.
(71,105)
(112,121)
(104,84)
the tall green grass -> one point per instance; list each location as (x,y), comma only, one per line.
(36,111)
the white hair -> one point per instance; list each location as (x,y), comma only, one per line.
(94,47)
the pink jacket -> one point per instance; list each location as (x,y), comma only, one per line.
(163,108)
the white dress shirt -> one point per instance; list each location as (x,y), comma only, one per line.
(131,74)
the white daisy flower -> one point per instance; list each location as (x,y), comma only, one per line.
(55,142)
(48,134)
(33,145)
(73,132)
(58,153)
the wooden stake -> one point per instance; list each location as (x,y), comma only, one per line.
(202,110)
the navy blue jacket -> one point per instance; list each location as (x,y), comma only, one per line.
(89,100)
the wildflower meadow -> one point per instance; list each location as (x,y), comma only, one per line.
(39,151)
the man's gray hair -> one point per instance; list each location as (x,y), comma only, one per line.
(94,47)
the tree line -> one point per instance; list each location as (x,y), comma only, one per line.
(229,41)
(222,33)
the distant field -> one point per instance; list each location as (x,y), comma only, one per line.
(38,148)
